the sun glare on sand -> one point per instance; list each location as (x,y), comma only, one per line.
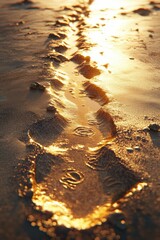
(101,4)
(104,28)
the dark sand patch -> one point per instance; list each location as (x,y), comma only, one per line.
(143,11)
(96,93)
(116,178)
(106,123)
(45,131)
(43,164)
(89,70)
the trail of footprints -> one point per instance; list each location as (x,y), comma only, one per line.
(47,150)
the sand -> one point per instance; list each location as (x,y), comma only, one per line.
(80,122)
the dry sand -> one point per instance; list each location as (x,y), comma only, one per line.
(80,120)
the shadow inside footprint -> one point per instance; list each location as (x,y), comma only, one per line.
(106,123)
(45,131)
(43,165)
(155,136)
(96,93)
(116,178)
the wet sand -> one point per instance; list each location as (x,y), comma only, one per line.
(80,122)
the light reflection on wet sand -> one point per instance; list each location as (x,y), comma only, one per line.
(118,42)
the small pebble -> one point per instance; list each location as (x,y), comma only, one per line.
(143,11)
(37,86)
(130,150)
(51,108)
(106,65)
(20,23)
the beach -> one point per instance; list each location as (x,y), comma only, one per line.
(80,120)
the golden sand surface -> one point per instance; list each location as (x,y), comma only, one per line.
(80,120)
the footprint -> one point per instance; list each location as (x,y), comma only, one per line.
(72,178)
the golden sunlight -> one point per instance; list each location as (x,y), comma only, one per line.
(63,215)
(101,4)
